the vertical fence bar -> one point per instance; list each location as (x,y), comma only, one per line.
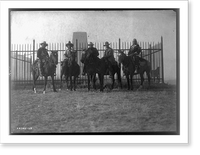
(162,59)
(120,63)
(30,66)
(159,54)
(150,54)
(142,46)
(19,64)
(15,62)
(24,79)
(33,50)
(153,54)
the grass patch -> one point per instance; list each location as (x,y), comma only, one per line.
(83,111)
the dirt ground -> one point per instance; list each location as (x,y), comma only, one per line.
(90,112)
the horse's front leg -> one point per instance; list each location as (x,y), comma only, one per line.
(66,80)
(113,80)
(61,75)
(119,78)
(127,78)
(52,78)
(70,77)
(94,81)
(88,82)
(142,80)
(45,84)
(131,81)
(149,79)
(35,77)
(74,83)
(101,79)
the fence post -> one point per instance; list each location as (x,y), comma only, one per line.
(33,50)
(24,68)
(150,54)
(153,59)
(162,59)
(77,50)
(117,53)
(31,63)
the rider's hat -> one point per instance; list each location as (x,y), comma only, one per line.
(106,44)
(90,44)
(134,41)
(69,44)
(44,43)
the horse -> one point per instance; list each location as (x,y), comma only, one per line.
(99,66)
(112,70)
(129,69)
(90,68)
(70,69)
(49,70)
(156,74)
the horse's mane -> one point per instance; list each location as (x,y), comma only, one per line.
(142,59)
(127,60)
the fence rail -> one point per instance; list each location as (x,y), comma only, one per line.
(22,57)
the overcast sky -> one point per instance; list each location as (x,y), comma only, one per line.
(101,26)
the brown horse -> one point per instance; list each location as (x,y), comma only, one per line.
(49,70)
(70,68)
(129,69)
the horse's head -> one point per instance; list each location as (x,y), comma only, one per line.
(121,56)
(83,56)
(54,57)
(86,53)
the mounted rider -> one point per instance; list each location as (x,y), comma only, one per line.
(134,52)
(69,50)
(43,56)
(93,53)
(109,55)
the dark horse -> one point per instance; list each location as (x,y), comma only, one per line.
(89,68)
(99,66)
(129,69)
(70,68)
(112,70)
(49,70)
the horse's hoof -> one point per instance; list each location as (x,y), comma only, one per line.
(44,92)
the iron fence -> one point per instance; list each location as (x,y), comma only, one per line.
(23,56)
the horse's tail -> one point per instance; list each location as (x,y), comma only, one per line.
(148,66)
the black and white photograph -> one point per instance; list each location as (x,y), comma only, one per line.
(94,73)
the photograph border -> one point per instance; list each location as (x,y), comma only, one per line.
(177,132)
